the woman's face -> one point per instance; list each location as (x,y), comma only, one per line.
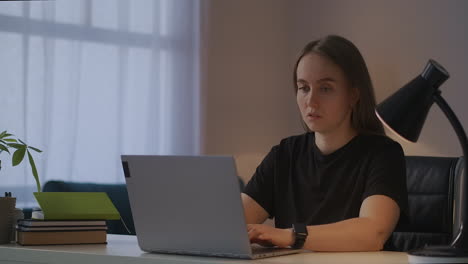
(323,95)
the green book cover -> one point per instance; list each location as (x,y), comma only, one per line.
(76,206)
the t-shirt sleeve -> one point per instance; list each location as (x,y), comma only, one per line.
(387,175)
(261,185)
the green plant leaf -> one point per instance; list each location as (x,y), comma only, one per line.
(16,146)
(10,140)
(2,147)
(34,171)
(22,142)
(35,149)
(18,156)
(6,135)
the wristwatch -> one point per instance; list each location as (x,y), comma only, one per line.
(300,235)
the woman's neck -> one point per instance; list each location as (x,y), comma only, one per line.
(330,142)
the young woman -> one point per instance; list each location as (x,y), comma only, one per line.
(341,186)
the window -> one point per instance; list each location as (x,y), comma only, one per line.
(89,80)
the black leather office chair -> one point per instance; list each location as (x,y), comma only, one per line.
(432,199)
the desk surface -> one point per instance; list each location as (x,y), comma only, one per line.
(124,249)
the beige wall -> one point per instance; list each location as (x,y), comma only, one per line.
(251,45)
(248,99)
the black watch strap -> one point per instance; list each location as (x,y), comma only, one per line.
(300,235)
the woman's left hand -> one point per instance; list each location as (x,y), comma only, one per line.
(269,236)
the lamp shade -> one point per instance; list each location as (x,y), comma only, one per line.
(406,110)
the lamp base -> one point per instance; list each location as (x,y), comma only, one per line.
(438,254)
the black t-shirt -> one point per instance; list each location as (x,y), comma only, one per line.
(295,183)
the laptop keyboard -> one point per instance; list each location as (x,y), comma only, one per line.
(260,251)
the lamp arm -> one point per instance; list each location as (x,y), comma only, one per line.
(461,240)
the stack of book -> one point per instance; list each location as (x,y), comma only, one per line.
(68,218)
(60,232)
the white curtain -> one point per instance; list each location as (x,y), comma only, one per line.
(88,80)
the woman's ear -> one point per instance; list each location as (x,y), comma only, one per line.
(355,95)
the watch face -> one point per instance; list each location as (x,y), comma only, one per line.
(300,234)
(300,229)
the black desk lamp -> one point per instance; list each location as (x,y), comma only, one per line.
(404,113)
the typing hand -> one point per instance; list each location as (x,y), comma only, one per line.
(268,236)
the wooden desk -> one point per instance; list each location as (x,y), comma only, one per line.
(124,249)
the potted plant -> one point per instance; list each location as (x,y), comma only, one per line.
(7,203)
(10,141)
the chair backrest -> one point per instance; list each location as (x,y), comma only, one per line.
(431,203)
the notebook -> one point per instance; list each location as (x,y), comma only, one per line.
(33,238)
(76,206)
(189,205)
(59,223)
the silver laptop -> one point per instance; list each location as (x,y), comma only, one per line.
(189,205)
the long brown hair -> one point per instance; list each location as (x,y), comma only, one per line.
(345,55)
